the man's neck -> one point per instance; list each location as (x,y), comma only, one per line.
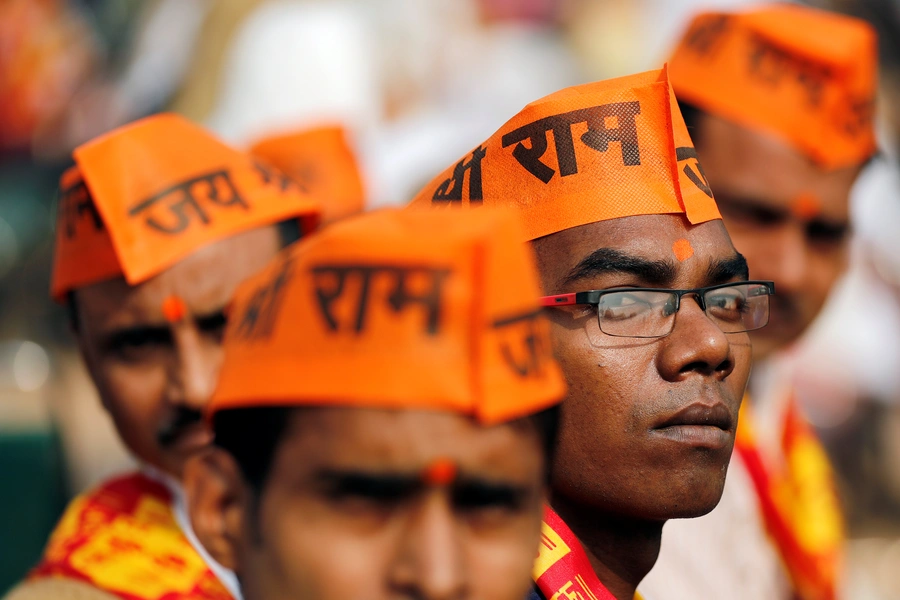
(621,550)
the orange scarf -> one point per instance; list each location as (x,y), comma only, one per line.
(562,570)
(123,538)
(799,503)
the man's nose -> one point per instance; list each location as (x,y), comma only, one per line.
(194,369)
(429,562)
(696,345)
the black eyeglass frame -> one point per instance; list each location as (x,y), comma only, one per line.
(592,297)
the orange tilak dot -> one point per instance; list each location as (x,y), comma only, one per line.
(174,309)
(682,249)
(440,472)
(806,206)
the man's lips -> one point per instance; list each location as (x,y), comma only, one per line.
(702,425)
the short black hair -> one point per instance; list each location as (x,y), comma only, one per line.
(252,436)
(288,232)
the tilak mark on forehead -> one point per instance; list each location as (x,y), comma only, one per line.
(806,206)
(682,249)
(174,309)
(440,472)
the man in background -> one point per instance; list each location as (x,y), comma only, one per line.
(779,101)
(158,223)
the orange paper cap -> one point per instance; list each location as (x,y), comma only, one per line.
(147,195)
(321,160)
(802,74)
(589,153)
(400,310)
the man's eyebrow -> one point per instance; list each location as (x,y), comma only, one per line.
(607,260)
(477,489)
(212,320)
(131,333)
(779,212)
(369,482)
(728,269)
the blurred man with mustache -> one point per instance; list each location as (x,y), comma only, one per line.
(650,305)
(385,415)
(158,223)
(779,101)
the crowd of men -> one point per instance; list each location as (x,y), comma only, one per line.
(504,390)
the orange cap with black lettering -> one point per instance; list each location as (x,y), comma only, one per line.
(589,153)
(148,194)
(321,160)
(804,75)
(396,309)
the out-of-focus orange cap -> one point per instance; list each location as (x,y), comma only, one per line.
(321,160)
(589,153)
(396,309)
(148,194)
(802,74)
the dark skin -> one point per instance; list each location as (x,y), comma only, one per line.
(788,216)
(155,376)
(353,477)
(629,457)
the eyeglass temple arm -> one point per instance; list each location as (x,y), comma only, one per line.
(559,300)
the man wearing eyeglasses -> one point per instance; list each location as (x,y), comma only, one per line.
(650,306)
(779,101)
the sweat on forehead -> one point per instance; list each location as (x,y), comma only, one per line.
(619,148)
(396,309)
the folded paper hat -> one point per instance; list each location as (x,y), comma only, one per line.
(321,160)
(589,153)
(148,194)
(804,75)
(396,309)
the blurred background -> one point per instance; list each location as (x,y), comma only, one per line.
(417,83)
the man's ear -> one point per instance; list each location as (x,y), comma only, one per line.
(218,503)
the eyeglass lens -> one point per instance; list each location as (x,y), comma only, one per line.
(641,313)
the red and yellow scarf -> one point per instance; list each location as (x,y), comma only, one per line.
(562,570)
(123,538)
(799,503)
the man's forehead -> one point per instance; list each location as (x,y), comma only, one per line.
(658,238)
(368,438)
(758,166)
(204,282)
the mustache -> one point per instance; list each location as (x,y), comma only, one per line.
(182,419)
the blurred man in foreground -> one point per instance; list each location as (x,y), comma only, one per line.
(385,415)
(158,223)
(650,308)
(779,101)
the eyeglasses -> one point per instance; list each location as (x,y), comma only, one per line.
(650,312)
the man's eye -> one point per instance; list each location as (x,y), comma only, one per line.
(369,491)
(727,304)
(820,232)
(626,305)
